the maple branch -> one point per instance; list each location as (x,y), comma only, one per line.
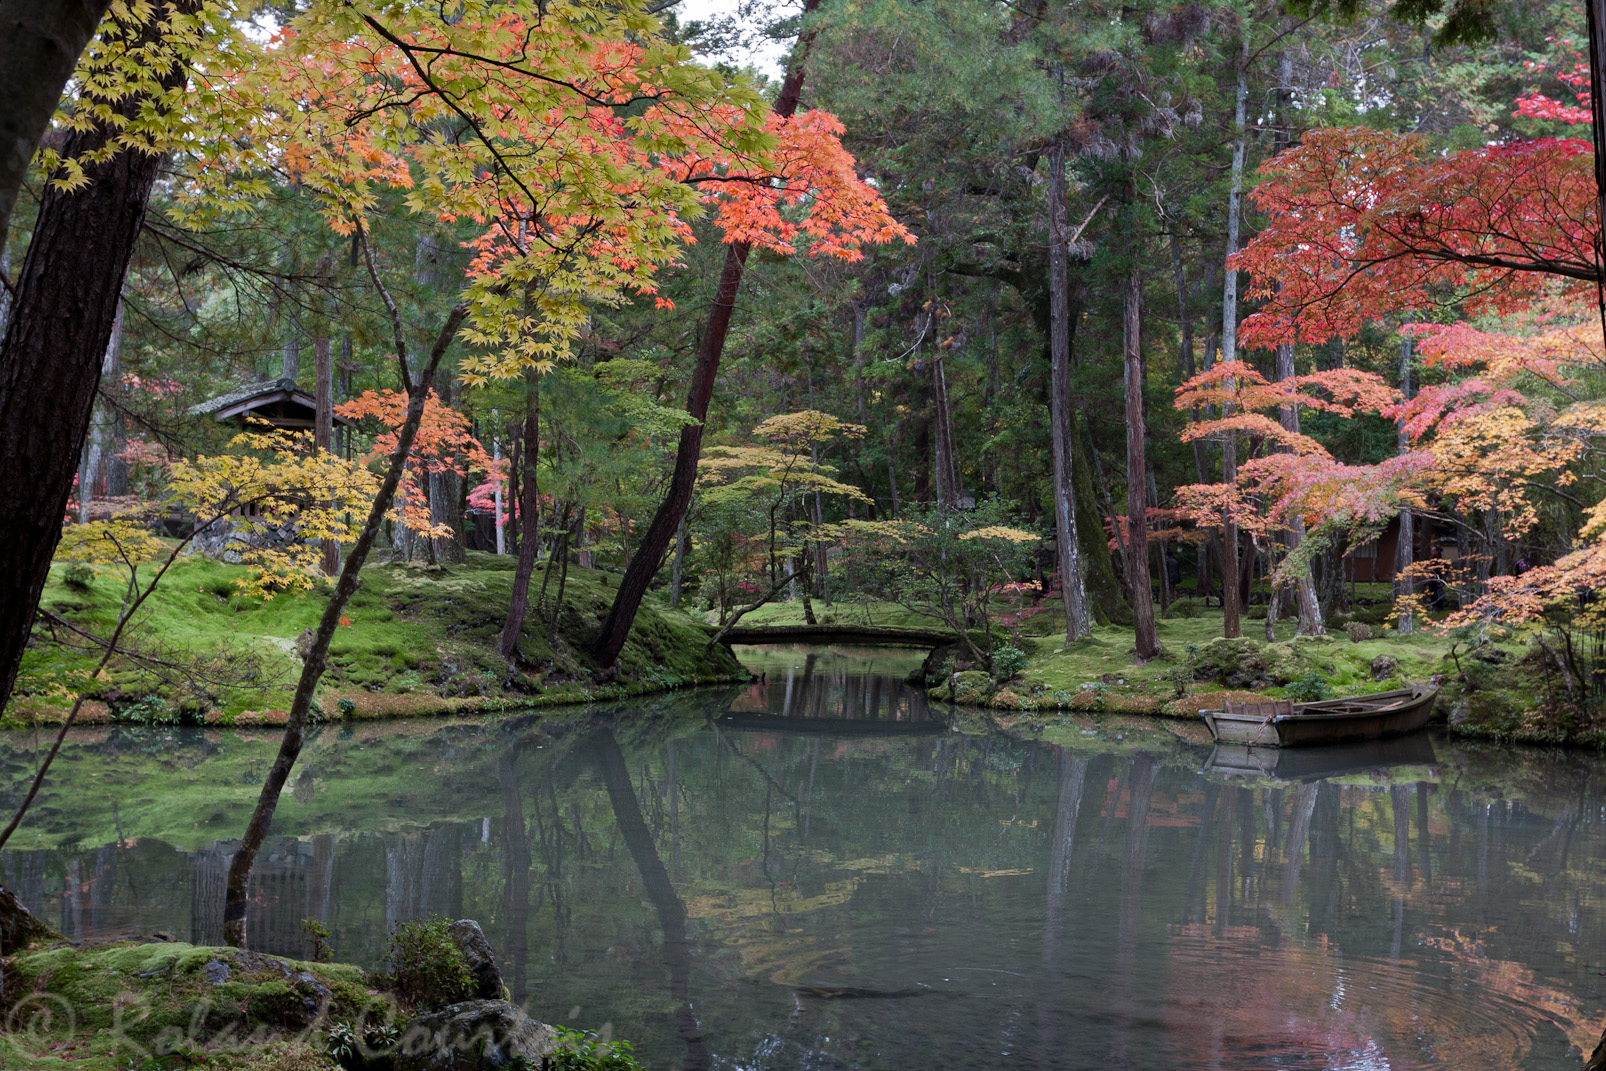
(766,597)
(409,47)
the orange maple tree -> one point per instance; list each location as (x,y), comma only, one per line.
(444,444)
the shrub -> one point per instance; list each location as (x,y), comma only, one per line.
(1308,689)
(1008,662)
(1256,612)
(1338,620)
(427,968)
(317,935)
(146,710)
(78,576)
(347,707)
(1185,608)
(1359,631)
(585,1052)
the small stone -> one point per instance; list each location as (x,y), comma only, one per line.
(216,972)
(475,1035)
(470,941)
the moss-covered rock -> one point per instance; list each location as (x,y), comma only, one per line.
(97,1007)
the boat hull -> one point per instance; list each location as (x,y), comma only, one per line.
(1334,722)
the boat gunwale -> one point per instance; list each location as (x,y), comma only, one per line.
(1383,707)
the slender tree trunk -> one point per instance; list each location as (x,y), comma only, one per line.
(1307,606)
(323,429)
(1073,590)
(256,830)
(497,514)
(1137,506)
(655,544)
(1230,626)
(1405,543)
(94,466)
(529,508)
(1595,11)
(66,302)
(100,469)
(677,573)
(446,500)
(40,42)
(1185,359)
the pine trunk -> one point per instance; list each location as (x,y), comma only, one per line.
(40,43)
(1230,625)
(66,299)
(1137,508)
(1073,591)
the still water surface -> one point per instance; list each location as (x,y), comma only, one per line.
(818,871)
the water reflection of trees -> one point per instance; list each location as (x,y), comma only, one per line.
(1088,905)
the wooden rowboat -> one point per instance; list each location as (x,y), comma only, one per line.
(1282,723)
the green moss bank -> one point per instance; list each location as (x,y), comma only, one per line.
(156,1005)
(420,640)
(1507,691)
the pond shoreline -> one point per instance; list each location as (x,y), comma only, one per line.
(368,706)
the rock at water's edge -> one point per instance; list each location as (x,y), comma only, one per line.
(470,941)
(475,1035)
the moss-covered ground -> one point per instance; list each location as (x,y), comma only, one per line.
(132,1005)
(1504,691)
(420,640)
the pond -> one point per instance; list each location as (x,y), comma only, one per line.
(820,871)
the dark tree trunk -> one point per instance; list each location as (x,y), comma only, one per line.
(1073,591)
(529,506)
(1595,11)
(666,521)
(40,42)
(1137,519)
(50,359)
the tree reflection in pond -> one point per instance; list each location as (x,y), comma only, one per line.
(737,894)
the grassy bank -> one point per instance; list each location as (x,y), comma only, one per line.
(1497,691)
(421,640)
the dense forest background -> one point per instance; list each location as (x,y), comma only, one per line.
(1066,188)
